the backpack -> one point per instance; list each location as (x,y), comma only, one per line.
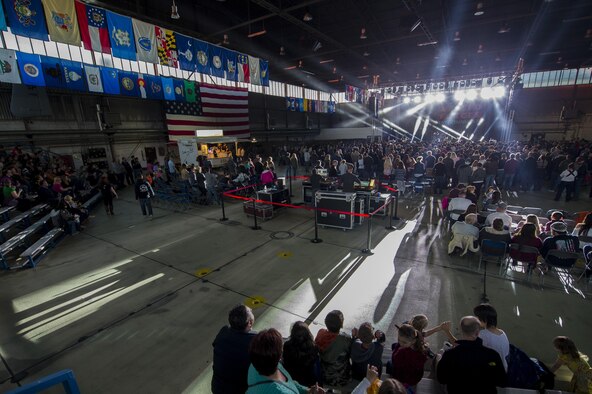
(526,373)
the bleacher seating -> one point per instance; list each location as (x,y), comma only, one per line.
(21,238)
(24,217)
(5,213)
(34,252)
(91,202)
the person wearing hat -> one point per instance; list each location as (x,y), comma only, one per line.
(366,350)
(560,240)
(500,213)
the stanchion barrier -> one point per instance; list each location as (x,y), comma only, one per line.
(223,218)
(290,178)
(255,227)
(316,239)
(389,226)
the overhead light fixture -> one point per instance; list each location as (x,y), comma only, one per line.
(282,51)
(407,100)
(456,36)
(480,49)
(290,68)
(425,44)
(398,61)
(307,16)
(226,40)
(333,80)
(257,33)
(174,11)
(498,58)
(487,93)
(365,54)
(499,92)
(362,76)
(479,10)
(459,95)
(417,99)
(327,61)
(363,34)
(316,46)
(416,25)
(334,70)
(559,60)
(364,67)
(417,76)
(505,28)
(471,94)
(300,64)
(465,62)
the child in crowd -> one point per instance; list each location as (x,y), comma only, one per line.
(334,349)
(576,362)
(410,357)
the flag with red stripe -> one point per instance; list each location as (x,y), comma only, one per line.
(94,32)
(215,108)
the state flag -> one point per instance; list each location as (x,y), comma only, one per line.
(26,18)
(145,36)
(92,22)
(190,94)
(62,22)
(142,86)
(167,47)
(154,89)
(9,67)
(264,72)
(128,84)
(185,52)
(2,18)
(254,70)
(202,51)
(168,88)
(121,34)
(74,75)
(217,63)
(110,77)
(53,72)
(243,68)
(179,88)
(93,79)
(31,70)
(229,57)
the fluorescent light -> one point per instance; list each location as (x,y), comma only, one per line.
(257,33)
(424,44)
(327,61)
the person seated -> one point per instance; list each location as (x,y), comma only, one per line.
(460,203)
(301,356)
(74,208)
(231,352)
(410,358)
(470,209)
(372,384)
(366,349)
(500,213)
(526,237)
(560,240)
(532,219)
(584,229)
(470,194)
(334,348)
(11,194)
(267,375)
(496,232)
(494,199)
(454,193)
(58,188)
(464,235)
(490,334)
(471,367)
(556,216)
(241,179)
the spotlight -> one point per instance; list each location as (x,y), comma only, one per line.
(174,11)
(459,95)
(407,100)
(486,93)
(479,10)
(417,99)
(430,98)
(440,97)
(471,95)
(480,121)
(499,91)
(307,16)
(363,35)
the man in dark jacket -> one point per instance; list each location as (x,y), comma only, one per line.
(470,367)
(231,352)
(144,193)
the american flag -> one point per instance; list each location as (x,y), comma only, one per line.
(215,108)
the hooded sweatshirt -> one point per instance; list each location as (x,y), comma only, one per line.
(361,357)
(334,350)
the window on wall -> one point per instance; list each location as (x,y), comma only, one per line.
(311,94)
(24,44)
(294,91)
(10,40)
(75,53)
(38,47)
(584,75)
(64,51)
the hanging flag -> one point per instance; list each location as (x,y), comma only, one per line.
(62,23)
(153,87)
(189,91)
(9,67)
(2,18)
(223,108)
(167,47)
(264,72)
(331,109)
(74,75)
(93,79)
(217,63)
(141,81)
(94,32)
(202,50)
(229,59)
(121,34)
(168,88)
(110,77)
(128,84)
(53,73)
(145,36)
(26,18)
(31,70)
(179,88)
(254,73)
(185,52)
(243,68)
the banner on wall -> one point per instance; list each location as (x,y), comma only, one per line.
(229,58)
(179,89)
(121,34)
(62,22)
(92,22)
(74,75)
(2,18)
(128,84)
(264,71)
(185,52)
(53,73)
(145,37)
(217,61)
(93,79)
(9,67)
(154,89)
(168,88)
(31,70)
(167,47)
(254,70)
(243,68)
(26,18)
(110,77)
(202,50)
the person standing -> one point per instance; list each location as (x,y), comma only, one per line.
(567,182)
(108,193)
(128,171)
(144,193)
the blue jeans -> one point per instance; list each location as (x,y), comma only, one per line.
(508,180)
(145,203)
(489,181)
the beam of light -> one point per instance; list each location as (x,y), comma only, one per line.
(417,99)
(425,127)
(389,109)
(499,92)
(452,115)
(448,130)
(490,127)
(442,131)
(468,124)
(487,93)
(481,121)
(471,94)
(460,95)
(415,109)
(407,100)
(417,123)
(397,127)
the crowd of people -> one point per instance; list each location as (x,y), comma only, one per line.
(479,360)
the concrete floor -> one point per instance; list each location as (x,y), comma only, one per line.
(132,305)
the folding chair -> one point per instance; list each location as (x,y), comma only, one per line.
(528,264)
(543,221)
(531,211)
(514,209)
(550,212)
(571,224)
(516,218)
(492,252)
(562,262)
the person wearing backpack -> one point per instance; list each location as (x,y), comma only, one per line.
(144,193)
